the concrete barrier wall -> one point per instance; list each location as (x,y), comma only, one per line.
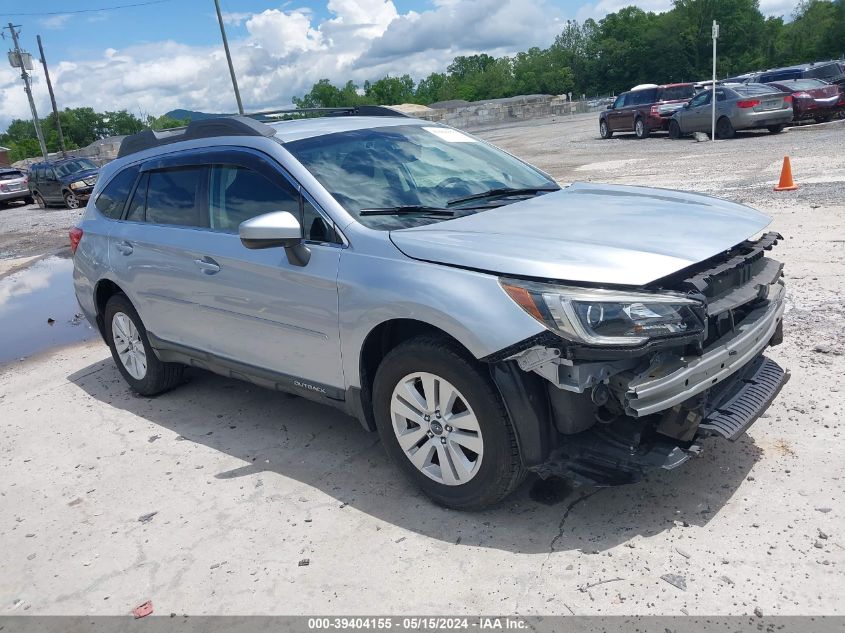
(498,111)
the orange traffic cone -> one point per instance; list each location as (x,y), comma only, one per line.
(786,183)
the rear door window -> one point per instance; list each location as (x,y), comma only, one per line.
(138,204)
(112,199)
(172,197)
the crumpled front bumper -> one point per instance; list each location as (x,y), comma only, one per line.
(679,380)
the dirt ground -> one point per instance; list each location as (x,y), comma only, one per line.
(223,498)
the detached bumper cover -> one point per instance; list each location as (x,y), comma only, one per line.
(654,393)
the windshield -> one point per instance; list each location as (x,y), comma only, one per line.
(73,166)
(414,166)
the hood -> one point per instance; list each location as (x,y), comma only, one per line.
(80,175)
(588,233)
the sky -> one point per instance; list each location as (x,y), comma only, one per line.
(167,54)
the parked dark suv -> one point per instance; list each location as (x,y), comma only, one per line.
(68,181)
(644,110)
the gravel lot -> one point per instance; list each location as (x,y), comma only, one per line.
(222,498)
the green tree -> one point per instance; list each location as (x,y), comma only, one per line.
(390,90)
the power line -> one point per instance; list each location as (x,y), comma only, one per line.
(119,6)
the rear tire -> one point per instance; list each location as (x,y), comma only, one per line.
(604,130)
(131,350)
(775,129)
(481,454)
(641,129)
(823,119)
(724,128)
(674,129)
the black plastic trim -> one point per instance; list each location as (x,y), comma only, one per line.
(176,353)
(527,404)
(205,128)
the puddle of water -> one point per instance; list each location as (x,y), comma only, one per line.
(29,299)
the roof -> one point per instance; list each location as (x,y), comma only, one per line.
(295,130)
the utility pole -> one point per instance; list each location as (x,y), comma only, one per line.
(713,93)
(25,77)
(229,57)
(52,99)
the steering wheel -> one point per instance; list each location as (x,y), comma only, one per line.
(451,182)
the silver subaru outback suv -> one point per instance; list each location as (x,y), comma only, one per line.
(484,320)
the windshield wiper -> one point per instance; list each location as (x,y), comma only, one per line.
(501,191)
(409,209)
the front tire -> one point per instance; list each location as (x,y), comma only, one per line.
(443,423)
(131,350)
(604,130)
(775,129)
(39,200)
(674,129)
(71,201)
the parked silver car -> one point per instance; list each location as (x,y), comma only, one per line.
(738,107)
(13,186)
(484,320)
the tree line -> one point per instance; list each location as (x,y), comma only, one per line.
(80,127)
(623,49)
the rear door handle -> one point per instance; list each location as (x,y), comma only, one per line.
(124,247)
(207,265)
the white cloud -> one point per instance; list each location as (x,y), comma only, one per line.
(284,51)
(55,21)
(233,17)
(603,7)
(778,8)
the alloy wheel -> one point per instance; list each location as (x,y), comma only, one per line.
(71,201)
(436,428)
(129,345)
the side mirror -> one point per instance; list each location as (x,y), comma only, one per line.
(279,228)
(610,107)
(687,106)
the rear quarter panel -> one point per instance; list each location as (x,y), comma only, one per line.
(91,261)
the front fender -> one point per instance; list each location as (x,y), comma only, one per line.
(469,306)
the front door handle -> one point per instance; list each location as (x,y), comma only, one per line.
(207,265)
(124,247)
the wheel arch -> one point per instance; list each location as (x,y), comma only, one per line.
(103,291)
(379,341)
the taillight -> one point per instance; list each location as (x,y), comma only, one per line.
(655,111)
(802,95)
(75,237)
(748,103)
(787,99)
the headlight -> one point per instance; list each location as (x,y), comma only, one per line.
(79,184)
(607,317)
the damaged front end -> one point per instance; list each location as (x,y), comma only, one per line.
(626,382)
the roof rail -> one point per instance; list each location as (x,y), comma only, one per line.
(205,128)
(361,110)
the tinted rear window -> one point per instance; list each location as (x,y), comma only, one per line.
(779,76)
(642,97)
(113,198)
(804,84)
(677,93)
(830,70)
(754,89)
(10,175)
(172,197)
